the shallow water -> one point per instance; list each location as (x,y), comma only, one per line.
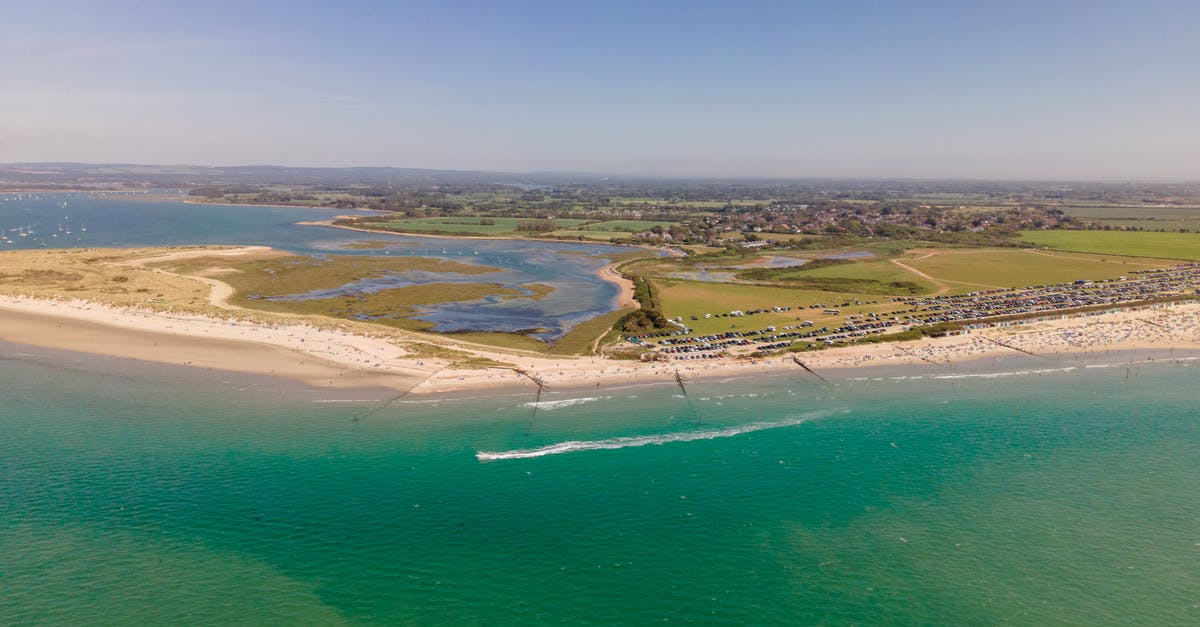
(120,220)
(136,493)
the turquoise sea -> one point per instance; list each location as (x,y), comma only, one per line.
(1000,493)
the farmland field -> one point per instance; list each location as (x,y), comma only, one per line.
(1145,218)
(1134,243)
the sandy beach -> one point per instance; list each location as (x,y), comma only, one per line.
(299,352)
(331,358)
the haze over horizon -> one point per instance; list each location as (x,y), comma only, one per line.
(1049,90)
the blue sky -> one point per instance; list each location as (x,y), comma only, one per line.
(1043,90)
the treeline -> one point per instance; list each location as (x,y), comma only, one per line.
(649,316)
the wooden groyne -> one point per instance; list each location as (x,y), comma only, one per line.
(807,369)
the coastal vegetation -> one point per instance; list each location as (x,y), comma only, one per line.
(282,282)
(276,273)
(104,276)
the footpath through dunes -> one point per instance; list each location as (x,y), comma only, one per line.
(221,292)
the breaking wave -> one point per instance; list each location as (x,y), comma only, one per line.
(566,402)
(995,375)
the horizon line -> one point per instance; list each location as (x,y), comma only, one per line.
(671,177)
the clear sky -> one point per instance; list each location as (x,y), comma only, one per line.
(961,89)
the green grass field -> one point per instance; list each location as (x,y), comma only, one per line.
(1189,225)
(1132,243)
(579,340)
(1133,213)
(972,270)
(878,276)
(1145,218)
(694,298)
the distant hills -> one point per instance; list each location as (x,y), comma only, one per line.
(163,176)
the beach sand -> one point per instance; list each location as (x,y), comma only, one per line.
(330,358)
(298,352)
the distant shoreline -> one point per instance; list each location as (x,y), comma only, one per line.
(189,200)
(330,224)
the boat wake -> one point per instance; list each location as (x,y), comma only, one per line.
(572,446)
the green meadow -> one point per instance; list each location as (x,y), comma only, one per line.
(976,269)
(1131,243)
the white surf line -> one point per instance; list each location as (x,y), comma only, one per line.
(994,375)
(572,446)
(567,402)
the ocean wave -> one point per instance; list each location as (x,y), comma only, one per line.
(995,375)
(566,402)
(572,446)
(725,396)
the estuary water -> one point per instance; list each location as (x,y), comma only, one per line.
(136,493)
(78,220)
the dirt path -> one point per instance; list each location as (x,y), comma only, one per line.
(942,290)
